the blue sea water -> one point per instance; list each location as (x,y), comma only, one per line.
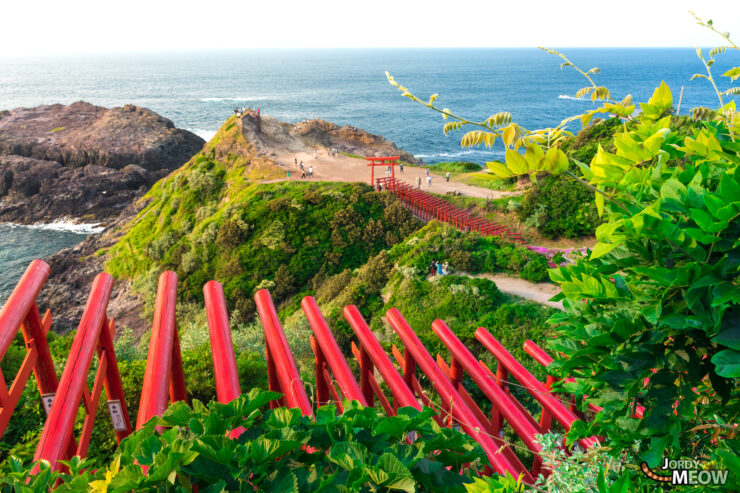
(199,90)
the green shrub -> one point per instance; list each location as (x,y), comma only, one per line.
(559,206)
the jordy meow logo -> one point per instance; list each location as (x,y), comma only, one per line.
(685,472)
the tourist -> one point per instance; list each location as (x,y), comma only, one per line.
(429,180)
(418,182)
(310,171)
(427,170)
(301,165)
(446,268)
(433,268)
(315,154)
(289,174)
(400,167)
(447,177)
(303,173)
(296,161)
(440,271)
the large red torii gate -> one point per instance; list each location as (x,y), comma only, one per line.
(391,161)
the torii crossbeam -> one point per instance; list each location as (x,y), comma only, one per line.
(391,161)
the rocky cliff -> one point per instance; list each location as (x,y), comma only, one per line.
(84,162)
(267,134)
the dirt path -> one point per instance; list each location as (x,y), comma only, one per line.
(539,292)
(349,169)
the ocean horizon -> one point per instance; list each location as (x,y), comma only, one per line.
(199,90)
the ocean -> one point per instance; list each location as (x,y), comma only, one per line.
(198,91)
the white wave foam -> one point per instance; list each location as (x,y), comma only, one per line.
(203,133)
(63,225)
(237,98)
(450,154)
(571,98)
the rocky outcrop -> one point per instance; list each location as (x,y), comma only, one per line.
(82,134)
(84,162)
(266,133)
(32,190)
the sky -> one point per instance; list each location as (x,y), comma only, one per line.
(42,27)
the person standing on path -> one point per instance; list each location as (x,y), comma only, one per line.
(447,177)
(427,171)
(301,165)
(418,182)
(400,167)
(429,180)
(303,173)
(310,171)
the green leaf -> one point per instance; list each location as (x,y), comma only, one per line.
(516,163)
(602,249)
(727,363)
(673,189)
(662,98)
(348,455)
(499,169)
(729,337)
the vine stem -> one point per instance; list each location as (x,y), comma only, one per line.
(595,189)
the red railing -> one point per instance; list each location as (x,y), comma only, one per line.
(282,371)
(370,355)
(329,357)
(428,207)
(225,371)
(21,312)
(501,458)
(544,359)
(508,365)
(164,361)
(95,333)
(335,380)
(504,406)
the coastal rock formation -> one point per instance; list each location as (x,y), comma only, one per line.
(83,162)
(267,133)
(81,134)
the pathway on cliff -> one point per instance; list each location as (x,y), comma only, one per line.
(345,168)
(540,292)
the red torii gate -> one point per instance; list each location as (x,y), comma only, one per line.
(391,161)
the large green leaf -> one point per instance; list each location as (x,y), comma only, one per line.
(727,363)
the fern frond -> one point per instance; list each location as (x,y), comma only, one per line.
(451,127)
(498,120)
(583,92)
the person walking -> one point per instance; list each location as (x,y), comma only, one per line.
(427,171)
(418,182)
(429,180)
(447,177)
(310,171)
(303,173)
(400,167)
(301,165)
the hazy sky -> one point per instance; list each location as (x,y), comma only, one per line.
(75,26)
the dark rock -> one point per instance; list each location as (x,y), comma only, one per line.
(83,161)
